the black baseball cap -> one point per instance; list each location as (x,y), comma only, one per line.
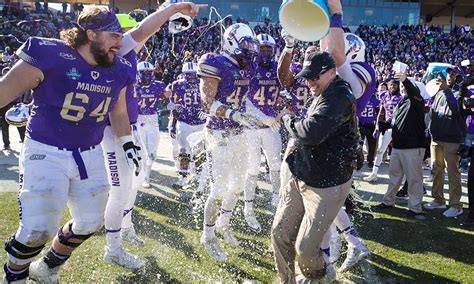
(315,64)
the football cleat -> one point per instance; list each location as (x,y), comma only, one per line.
(354,255)
(130,236)
(214,249)
(252,221)
(5,281)
(42,273)
(123,258)
(229,237)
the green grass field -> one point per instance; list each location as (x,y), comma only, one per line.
(437,250)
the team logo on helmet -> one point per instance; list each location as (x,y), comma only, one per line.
(18,115)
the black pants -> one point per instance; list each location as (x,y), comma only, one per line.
(366,131)
(4,125)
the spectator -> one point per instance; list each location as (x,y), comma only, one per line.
(447,133)
(408,138)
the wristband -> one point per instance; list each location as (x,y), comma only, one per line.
(125,139)
(336,21)
(229,113)
(288,49)
(215,105)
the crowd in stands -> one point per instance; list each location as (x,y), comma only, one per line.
(415,45)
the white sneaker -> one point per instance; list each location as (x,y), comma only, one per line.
(123,258)
(328,278)
(452,212)
(252,221)
(146,184)
(434,205)
(335,246)
(214,249)
(229,237)
(275,200)
(5,281)
(354,255)
(130,236)
(371,178)
(41,273)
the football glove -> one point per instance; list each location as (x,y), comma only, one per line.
(289,40)
(245,119)
(132,156)
(271,122)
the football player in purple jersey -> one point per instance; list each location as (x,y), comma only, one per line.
(298,90)
(261,103)
(184,94)
(123,181)
(77,82)
(149,92)
(348,51)
(224,85)
(388,101)
(367,120)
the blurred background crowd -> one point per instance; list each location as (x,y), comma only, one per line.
(416,45)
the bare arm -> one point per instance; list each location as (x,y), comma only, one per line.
(154,21)
(285,76)
(119,116)
(379,115)
(208,89)
(21,78)
(334,42)
(336,45)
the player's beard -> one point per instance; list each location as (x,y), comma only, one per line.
(100,55)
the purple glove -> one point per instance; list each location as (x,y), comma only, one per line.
(376,133)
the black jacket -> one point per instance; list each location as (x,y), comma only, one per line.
(408,129)
(447,123)
(326,139)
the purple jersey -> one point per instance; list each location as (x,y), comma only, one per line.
(369,114)
(185,94)
(389,103)
(148,96)
(299,92)
(132,99)
(264,89)
(234,84)
(71,105)
(366,75)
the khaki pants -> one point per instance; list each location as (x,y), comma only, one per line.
(445,154)
(406,162)
(303,216)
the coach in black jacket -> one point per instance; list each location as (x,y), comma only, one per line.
(408,139)
(321,166)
